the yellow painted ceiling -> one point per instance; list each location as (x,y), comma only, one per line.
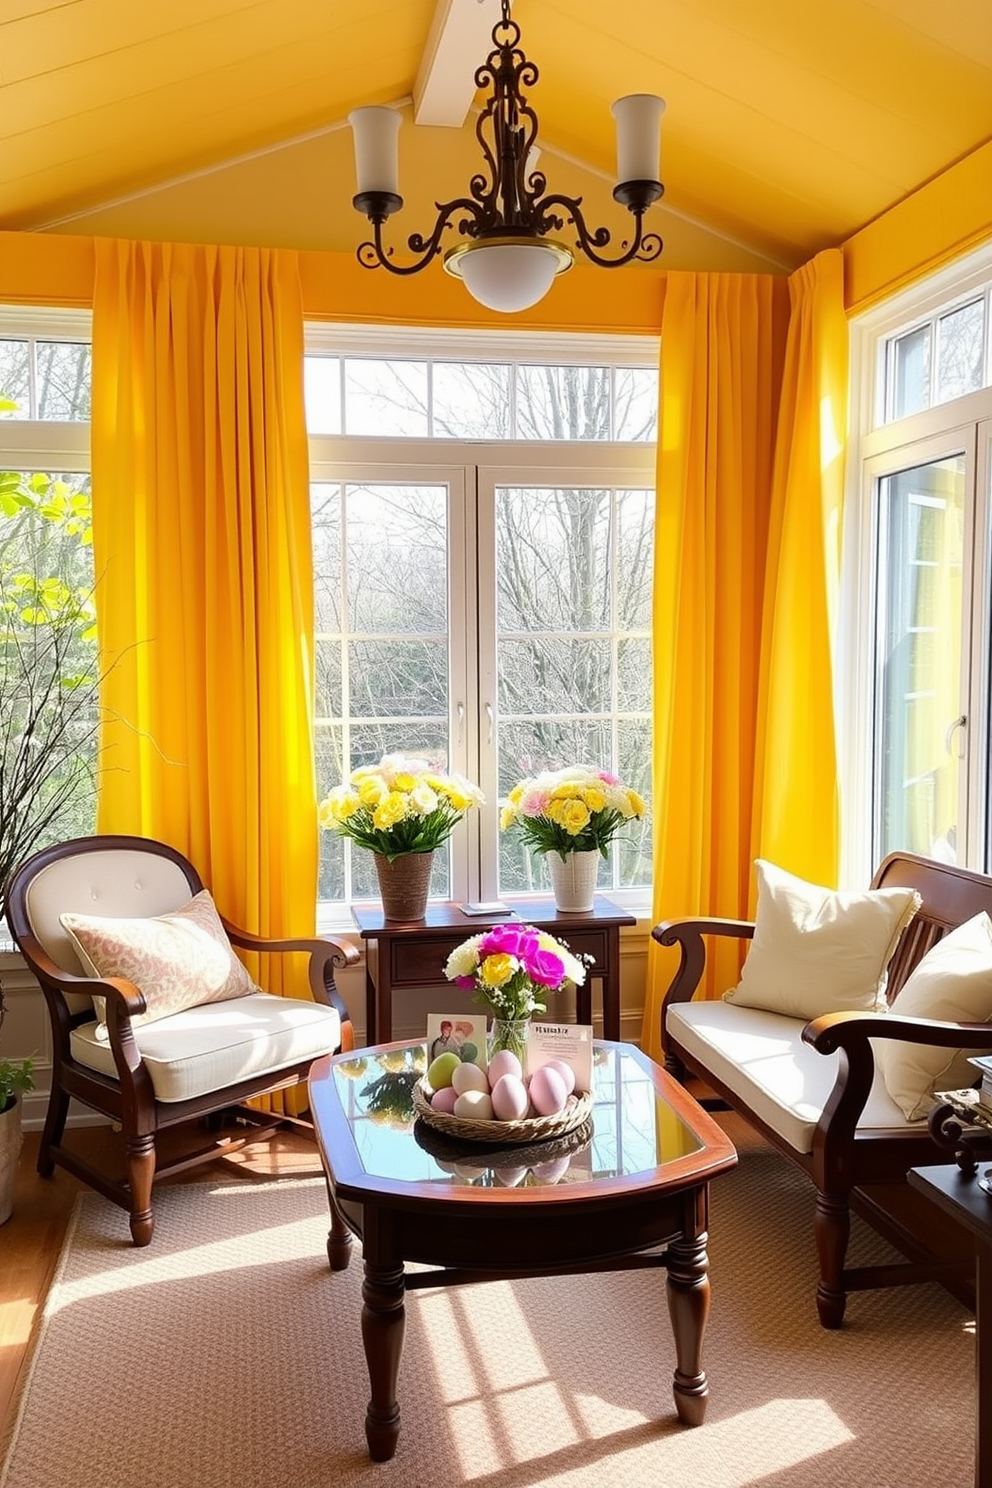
(790,123)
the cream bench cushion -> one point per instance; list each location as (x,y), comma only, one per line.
(208,1048)
(761,1058)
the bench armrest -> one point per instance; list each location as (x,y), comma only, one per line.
(849,1035)
(688,935)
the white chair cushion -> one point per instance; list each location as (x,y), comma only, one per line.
(819,950)
(761,1058)
(208,1048)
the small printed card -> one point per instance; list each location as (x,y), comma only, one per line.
(457,1033)
(571,1042)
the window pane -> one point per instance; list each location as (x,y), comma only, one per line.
(961,336)
(385,398)
(553,559)
(63,378)
(636,396)
(322,393)
(471,400)
(327,663)
(563,403)
(635,558)
(49,665)
(325,516)
(911,364)
(15,378)
(919,686)
(397,558)
(398,678)
(564,649)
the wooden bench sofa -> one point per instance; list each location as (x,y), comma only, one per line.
(811,1088)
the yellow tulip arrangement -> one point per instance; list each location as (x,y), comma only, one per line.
(398,806)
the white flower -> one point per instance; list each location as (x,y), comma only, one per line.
(464,959)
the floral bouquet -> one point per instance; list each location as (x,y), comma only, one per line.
(572,810)
(511,968)
(398,806)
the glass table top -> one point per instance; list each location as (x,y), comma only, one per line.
(633,1129)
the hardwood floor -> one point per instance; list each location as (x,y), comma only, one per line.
(31,1240)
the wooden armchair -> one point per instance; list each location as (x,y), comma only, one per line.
(141,1064)
(813,1089)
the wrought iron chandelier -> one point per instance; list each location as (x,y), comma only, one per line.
(510,258)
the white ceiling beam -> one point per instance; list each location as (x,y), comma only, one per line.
(459,41)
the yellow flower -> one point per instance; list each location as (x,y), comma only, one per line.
(574,817)
(506,818)
(594,798)
(404,782)
(495,971)
(371,789)
(556,812)
(516,793)
(636,803)
(390,810)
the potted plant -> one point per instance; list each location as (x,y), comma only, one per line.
(49,718)
(402,810)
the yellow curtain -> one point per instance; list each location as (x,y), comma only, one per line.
(750,481)
(201,527)
(723,344)
(798,823)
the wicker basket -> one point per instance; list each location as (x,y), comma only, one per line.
(447,1149)
(530,1129)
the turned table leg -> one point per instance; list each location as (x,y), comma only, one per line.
(688,1290)
(383,1324)
(338,1239)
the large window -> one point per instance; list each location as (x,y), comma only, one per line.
(915,703)
(484,603)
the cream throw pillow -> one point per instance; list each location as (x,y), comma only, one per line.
(953,983)
(819,950)
(177,960)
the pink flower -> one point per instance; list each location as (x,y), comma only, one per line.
(535,802)
(545,968)
(508,940)
(610,779)
(466,982)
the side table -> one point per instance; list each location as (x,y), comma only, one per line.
(413,953)
(960,1196)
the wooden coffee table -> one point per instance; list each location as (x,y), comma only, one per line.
(628,1191)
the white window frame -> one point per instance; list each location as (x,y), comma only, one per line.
(962,425)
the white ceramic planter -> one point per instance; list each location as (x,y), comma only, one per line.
(573,879)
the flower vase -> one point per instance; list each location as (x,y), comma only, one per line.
(404,884)
(573,879)
(509,1033)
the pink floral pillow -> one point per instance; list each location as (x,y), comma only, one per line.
(176,960)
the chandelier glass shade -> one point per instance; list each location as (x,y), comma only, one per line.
(514,237)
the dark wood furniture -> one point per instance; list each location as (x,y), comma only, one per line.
(635,1194)
(413,953)
(959,1195)
(844,1162)
(130,1098)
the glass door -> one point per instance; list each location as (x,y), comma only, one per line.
(923,678)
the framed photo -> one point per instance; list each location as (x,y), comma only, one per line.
(463,1034)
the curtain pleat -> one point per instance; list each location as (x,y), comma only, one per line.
(201,522)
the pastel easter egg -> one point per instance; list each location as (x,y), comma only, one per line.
(474,1105)
(547,1091)
(443,1100)
(441,1070)
(509,1098)
(565,1070)
(551,1172)
(469,1077)
(510,1177)
(504,1062)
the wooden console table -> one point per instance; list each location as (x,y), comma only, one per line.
(413,953)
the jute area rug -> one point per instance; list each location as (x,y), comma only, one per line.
(228,1356)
